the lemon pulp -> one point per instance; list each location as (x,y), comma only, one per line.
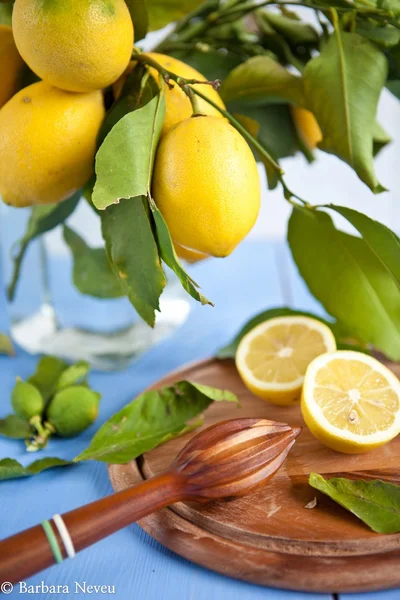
(273,357)
(351,402)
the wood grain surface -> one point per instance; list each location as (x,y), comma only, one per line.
(269,537)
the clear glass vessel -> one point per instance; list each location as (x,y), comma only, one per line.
(49,316)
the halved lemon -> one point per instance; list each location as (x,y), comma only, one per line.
(273,357)
(351,401)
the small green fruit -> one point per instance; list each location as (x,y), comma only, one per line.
(73,410)
(26,400)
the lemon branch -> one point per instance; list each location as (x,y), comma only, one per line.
(186,86)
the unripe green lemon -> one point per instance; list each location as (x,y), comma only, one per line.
(47,143)
(26,400)
(73,410)
(206,185)
(76,45)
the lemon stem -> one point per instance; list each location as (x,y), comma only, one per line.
(191,92)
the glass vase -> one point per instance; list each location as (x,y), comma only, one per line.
(48,315)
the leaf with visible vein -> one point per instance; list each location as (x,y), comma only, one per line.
(168,255)
(133,254)
(151,419)
(346,111)
(377,503)
(12,469)
(383,242)
(124,161)
(346,276)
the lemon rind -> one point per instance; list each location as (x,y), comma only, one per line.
(317,414)
(327,335)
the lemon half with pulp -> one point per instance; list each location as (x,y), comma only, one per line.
(273,357)
(351,401)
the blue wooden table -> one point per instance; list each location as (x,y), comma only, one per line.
(131,563)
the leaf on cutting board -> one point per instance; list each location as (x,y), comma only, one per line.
(348,278)
(92,272)
(124,161)
(48,372)
(6,346)
(377,503)
(15,428)
(151,419)
(12,469)
(43,218)
(133,254)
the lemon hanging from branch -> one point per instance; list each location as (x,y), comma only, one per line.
(76,45)
(206,185)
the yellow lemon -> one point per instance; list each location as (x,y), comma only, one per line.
(76,45)
(351,402)
(273,357)
(177,104)
(189,255)
(307,126)
(47,143)
(11,64)
(206,185)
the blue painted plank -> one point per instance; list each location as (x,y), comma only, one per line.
(130,560)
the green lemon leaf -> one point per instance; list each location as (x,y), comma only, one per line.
(162,13)
(229,351)
(383,242)
(74,375)
(48,372)
(394,87)
(14,427)
(295,31)
(376,503)
(261,79)
(12,469)
(139,88)
(151,419)
(5,13)
(348,278)
(384,36)
(133,254)
(43,218)
(6,346)
(92,272)
(346,111)
(380,138)
(140,18)
(124,162)
(169,256)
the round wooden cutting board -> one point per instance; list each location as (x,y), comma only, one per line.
(269,537)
